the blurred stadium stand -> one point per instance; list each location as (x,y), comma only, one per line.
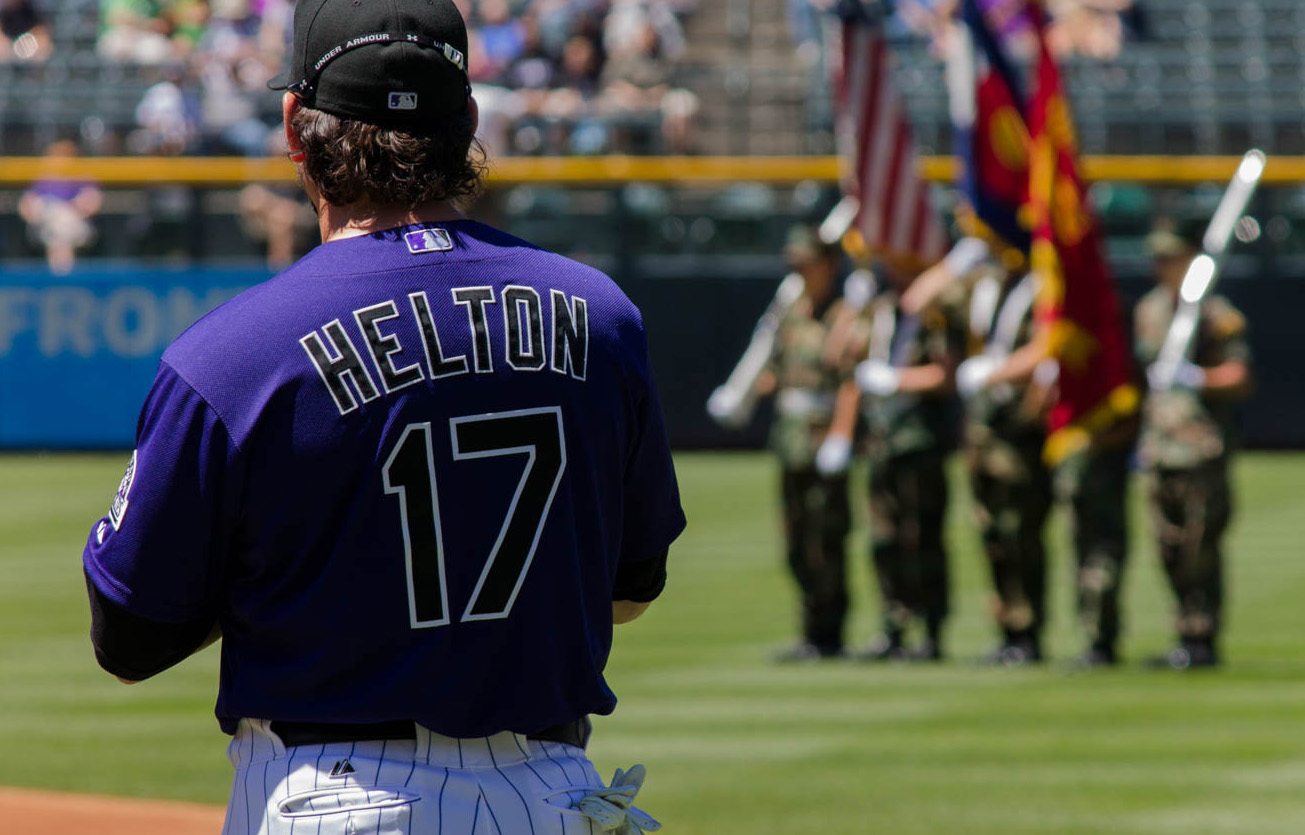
(74,92)
(1210,77)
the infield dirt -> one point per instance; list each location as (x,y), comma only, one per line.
(29,812)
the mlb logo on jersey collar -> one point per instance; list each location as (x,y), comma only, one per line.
(428,240)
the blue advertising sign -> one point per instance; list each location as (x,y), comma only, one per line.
(78,352)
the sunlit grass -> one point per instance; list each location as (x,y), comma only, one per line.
(735,744)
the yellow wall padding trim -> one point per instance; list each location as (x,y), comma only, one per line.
(614,170)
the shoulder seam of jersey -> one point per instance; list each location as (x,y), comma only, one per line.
(222,421)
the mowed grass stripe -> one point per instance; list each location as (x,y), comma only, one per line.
(736,744)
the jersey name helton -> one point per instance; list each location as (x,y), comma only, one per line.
(528,346)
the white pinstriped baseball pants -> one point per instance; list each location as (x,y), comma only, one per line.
(504,784)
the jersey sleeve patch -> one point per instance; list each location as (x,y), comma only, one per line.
(122,499)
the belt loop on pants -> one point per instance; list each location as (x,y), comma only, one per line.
(501,749)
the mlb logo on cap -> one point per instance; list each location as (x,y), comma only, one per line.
(403,101)
(428,240)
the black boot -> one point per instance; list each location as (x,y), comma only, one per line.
(886,646)
(804,651)
(1191,653)
(931,649)
(1097,655)
(1019,647)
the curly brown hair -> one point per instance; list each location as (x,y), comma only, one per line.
(355,162)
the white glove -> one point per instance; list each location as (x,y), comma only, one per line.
(878,377)
(725,407)
(1188,375)
(1046,373)
(612,808)
(966,255)
(834,455)
(973,374)
(858,289)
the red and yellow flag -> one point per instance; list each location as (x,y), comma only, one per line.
(1078,306)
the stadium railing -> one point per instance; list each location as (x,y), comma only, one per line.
(616,170)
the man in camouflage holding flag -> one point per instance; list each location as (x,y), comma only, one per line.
(906,368)
(1186,444)
(1003,439)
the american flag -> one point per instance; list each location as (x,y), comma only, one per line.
(875,143)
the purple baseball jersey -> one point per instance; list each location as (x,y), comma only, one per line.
(62,190)
(401,475)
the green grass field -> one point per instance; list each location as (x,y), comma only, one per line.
(735,744)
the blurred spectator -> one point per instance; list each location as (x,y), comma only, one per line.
(579,76)
(560,20)
(24,33)
(232,74)
(150,31)
(167,118)
(279,216)
(500,110)
(188,19)
(499,37)
(134,30)
(637,76)
(571,100)
(534,67)
(168,125)
(1088,27)
(628,20)
(274,18)
(58,211)
(581,66)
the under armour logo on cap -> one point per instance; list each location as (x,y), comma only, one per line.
(403,101)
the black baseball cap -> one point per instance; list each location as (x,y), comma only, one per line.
(400,64)
(1171,240)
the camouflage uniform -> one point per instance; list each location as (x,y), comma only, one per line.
(816,512)
(1011,486)
(1186,443)
(907,441)
(1094,484)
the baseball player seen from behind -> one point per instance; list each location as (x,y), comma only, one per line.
(410,483)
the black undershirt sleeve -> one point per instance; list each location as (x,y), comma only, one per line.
(135,648)
(642,581)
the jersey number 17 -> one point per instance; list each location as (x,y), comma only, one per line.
(409,473)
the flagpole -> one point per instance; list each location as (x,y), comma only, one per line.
(1201,273)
